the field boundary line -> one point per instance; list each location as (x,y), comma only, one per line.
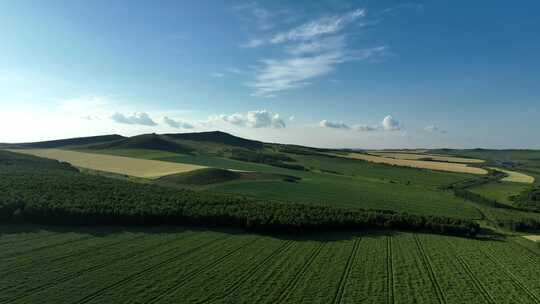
(85,252)
(132,276)
(250,273)
(515,280)
(172,290)
(390,271)
(292,283)
(84,271)
(338,296)
(429,268)
(46,247)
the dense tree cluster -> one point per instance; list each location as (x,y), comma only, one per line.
(45,191)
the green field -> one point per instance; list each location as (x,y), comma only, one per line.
(501,191)
(43,264)
(337,182)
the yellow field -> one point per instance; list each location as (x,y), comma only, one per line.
(515,177)
(115,164)
(416,156)
(432,165)
(534,238)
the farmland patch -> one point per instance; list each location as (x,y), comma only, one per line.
(114,164)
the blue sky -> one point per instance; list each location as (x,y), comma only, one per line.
(362,74)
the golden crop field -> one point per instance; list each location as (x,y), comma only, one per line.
(435,157)
(111,163)
(432,165)
(515,177)
(534,238)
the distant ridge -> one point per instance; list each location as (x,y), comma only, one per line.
(218,137)
(172,142)
(145,141)
(78,141)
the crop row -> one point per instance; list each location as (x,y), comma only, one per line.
(215,267)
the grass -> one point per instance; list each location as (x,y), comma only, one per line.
(337,182)
(431,165)
(115,164)
(114,265)
(503,192)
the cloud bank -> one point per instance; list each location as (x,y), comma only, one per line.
(177,124)
(139,118)
(252,119)
(333,125)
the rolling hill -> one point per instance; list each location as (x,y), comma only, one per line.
(62,143)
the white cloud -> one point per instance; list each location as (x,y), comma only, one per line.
(318,46)
(139,118)
(235,119)
(323,26)
(177,124)
(391,124)
(312,49)
(434,129)
(292,118)
(281,75)
(252,119)
(333,125)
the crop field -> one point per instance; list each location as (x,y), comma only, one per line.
(435,157)
(43,264)
(431,165)
(500,191)
(534,238)
(111,163)
(335,181)
(516,177)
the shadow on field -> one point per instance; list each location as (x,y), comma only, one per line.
(104,231)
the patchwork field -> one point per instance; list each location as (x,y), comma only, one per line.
(422,164)
(113,265)
(516,177)
(111,163)
(423,156)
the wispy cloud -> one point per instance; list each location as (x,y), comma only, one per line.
(309,50)
(253,43)
(139,118)
(323,26)
(217,75)
(280,75)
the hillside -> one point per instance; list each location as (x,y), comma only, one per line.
(217,137)
(62,143)
(145,141)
